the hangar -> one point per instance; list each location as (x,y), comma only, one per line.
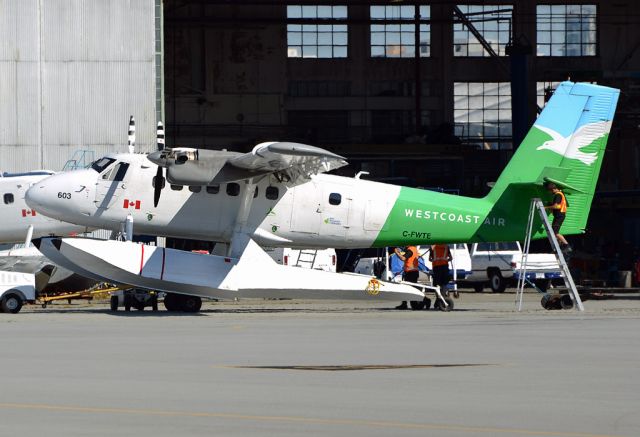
(433,94)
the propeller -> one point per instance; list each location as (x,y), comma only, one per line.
(159,179)
(132,134)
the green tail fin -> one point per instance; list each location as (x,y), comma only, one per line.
(566,146)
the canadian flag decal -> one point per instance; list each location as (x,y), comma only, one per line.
(27,212)
(131,204)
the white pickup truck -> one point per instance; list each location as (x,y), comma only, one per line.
(498,265)
(16,289)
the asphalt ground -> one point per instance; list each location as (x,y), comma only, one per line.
(289,368)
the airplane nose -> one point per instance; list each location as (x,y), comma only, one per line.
(37,195)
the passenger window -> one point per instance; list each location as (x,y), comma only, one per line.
(153,182)
(255,193)
(213,189)
(272,193)
(195,188)
(176,187)
(233,189)
(335,198)
(8,198)
(118,173)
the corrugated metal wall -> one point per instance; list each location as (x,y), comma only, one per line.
(71,73)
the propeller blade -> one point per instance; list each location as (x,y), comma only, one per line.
(160,136)
(157,188)
(132,134)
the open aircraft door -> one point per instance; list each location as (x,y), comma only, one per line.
(110,186)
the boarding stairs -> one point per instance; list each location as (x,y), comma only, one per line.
(538,206)
(306,258)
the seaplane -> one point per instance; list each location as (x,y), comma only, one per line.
(280,195)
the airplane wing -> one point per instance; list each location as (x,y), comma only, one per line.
(283,156)
(290,161)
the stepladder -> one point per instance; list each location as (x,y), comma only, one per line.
(538,207)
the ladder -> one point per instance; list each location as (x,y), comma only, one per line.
(306,258)
(537,205)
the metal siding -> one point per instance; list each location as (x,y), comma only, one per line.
(96,66)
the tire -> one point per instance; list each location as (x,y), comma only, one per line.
(497,282)
(478,288)
(542,284)
(113,303)
(127,302)
(190,304)
(171,302)
(566,302)
(416,305)
(11,303)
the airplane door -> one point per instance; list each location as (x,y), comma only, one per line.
(336,211)
(110,186)
(306,214)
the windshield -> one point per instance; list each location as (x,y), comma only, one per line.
(101,164)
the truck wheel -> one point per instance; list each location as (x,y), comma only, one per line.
(190,304)
(11,303)
(542,284)
(416,305)
(497,282)
(113,303)
(478,288)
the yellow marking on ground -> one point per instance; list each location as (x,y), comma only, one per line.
(294,419)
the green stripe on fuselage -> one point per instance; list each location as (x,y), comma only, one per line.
(426,217)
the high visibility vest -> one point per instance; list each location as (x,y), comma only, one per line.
(563,203)
(411,262)
(440,255)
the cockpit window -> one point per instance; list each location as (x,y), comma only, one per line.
(117,174)
(101,164)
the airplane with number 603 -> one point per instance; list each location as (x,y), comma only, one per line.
(279,195)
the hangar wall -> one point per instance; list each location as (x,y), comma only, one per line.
(72,71)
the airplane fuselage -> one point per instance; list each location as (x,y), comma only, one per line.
(323,211)
(17,216)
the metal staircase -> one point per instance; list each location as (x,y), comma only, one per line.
(537,205)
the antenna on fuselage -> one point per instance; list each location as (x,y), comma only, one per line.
(132,134)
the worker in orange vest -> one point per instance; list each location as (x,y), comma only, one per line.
(440,255)
(558,207)
(410,270)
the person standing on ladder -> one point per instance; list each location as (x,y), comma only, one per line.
(410,270)
(558,207)
(440,256)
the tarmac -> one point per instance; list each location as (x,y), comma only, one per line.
(290,368)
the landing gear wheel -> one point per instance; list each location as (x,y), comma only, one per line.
(171,302)
(190,304)
(113,303)
(440,306)
(497,282)
(416,305)
(127,302)
(427,303)
(11,303)
(478,288)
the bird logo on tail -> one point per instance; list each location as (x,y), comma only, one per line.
(570,146)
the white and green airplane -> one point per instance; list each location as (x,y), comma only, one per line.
(280,195)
